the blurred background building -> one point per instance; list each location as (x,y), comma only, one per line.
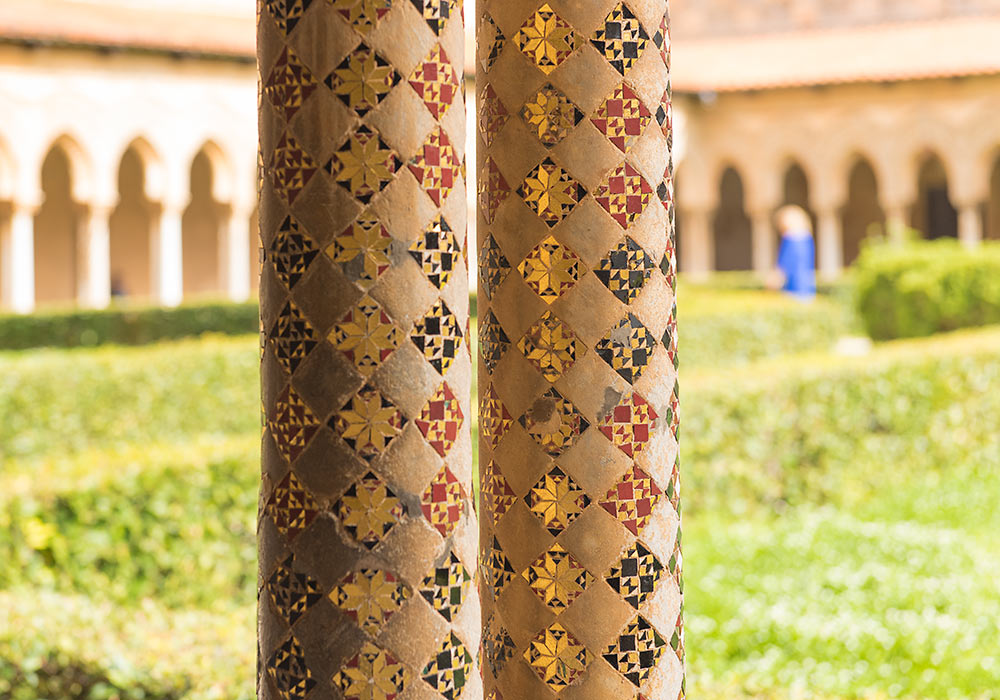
(128,137)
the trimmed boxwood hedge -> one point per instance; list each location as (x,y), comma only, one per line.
(924,288)
(125,325)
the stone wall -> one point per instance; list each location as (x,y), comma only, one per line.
(694,18)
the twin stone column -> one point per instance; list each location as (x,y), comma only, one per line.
(376,580)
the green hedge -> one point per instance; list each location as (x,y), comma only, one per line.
(125,326)
(145,551)
(923,288)
(818,429)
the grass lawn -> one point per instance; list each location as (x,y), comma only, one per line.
(839,526)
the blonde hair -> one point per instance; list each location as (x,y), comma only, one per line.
(793,218)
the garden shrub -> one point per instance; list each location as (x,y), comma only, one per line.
(125,325)
(923,288)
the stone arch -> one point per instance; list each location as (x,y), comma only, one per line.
(731,226)
(65,190)
(134,220)
(862,215)
(992,229)
(933,214)
(203,221)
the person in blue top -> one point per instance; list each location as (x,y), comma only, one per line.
(797,255)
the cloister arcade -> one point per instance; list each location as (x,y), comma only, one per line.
(125,178)
(862,159)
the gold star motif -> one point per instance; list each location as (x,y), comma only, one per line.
(550,192)
(546,39)
(557,657)
(557,578)
(550,269)
(362,250)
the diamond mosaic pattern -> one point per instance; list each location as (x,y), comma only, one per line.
(436,166)
(627,348)
(363,79)
(556,500)
(363,15)
(550,269)
(636,576)
(621,39)
(362,250)
(557,657)
(496,567)
(287,13)
(443,502)
(291,252)
(370,597)
(437,12)
(498,497)
(498,647)
(553,422)
(435,82)
(366,336)
(446,587)
(493,341)
(630,424)
(636,651)
(292,592)
(364,165)
(368,510)
(557,578)
(288,670)
(492,40)
(438,336)
(632,499)
(440,419)
(292,424)
(546,39)
(368,423)
(622,117)
(290,84)
(437,252)
(492,114)
(624,194)
(625,270)
(493,266)
(494,419)
(550,115)
(291,168)
(450,669)
(551,346)
(551,192)
(291,506)
(292,337)
(493,190)
(373,674)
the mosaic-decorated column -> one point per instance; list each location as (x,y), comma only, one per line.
(581,558)
(366,528)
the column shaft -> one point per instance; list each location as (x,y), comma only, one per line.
(168,257)
(95,259)
(18,257)
(698,245)
(970,225)
(235,254)
(829,244)
(763,242)
(367,532)
(896,222)
(581,558)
